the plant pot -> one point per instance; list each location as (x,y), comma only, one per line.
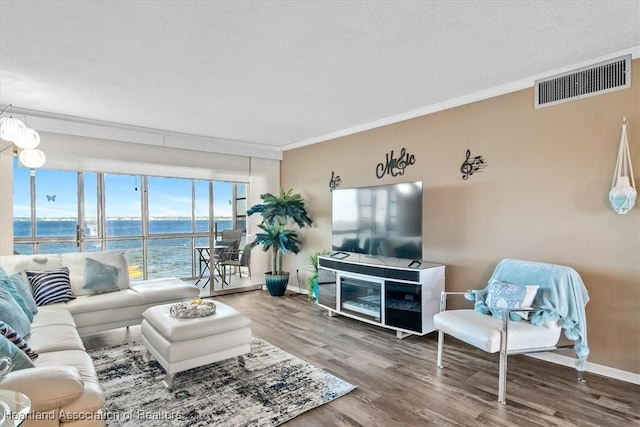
(316,293)
(276,283)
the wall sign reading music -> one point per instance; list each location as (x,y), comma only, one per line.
(395,166)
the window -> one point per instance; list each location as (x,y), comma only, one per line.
(156,221)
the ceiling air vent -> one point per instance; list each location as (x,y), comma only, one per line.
(608,76)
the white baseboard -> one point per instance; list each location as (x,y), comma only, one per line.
(595,368)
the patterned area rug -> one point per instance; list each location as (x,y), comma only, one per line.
(272,388)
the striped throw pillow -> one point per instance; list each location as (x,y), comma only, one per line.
(50,287)
(13,336)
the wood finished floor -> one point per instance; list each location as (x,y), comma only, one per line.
(399,384)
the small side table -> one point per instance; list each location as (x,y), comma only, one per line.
(18,405)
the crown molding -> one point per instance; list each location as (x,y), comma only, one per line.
(462,100)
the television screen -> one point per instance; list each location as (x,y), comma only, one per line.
(384,220)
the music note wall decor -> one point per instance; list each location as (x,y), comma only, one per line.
(334,182)
(472,165)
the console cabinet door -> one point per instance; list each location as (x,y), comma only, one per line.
(403,305)
(327,283)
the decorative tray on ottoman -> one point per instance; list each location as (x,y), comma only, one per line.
(193,308)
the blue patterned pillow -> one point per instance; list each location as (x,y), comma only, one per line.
(16,339)
(50,287)
(502,295)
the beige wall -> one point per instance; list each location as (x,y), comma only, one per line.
(543,196)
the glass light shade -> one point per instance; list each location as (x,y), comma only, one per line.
(11,128)
(32,158)
(28,139)
(623,195)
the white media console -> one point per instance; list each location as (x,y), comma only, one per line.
(383,291)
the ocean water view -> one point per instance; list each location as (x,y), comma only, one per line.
(166,255)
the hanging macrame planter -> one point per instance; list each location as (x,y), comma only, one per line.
(623,188)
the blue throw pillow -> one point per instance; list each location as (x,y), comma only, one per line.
(100,277)
(13,315)
(18,357)
(502,296)
(50,287)
(2,273)
(24,289)
(8,285)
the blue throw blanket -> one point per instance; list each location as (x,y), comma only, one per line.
(562,296)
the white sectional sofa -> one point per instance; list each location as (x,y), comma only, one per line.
(62,385)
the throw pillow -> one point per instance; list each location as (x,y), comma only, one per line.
(50,287)
(20,282)
(12,314)
(502,295)
(2,273)
(18,357)
(100,277)
(16,339)
(8,285)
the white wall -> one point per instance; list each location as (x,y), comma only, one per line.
(265,178)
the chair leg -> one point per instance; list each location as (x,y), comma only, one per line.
(440,348)
(581,377)
(502,378)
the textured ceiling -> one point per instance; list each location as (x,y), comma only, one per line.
(285,73)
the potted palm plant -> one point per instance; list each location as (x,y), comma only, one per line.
(277,214)
(312,282)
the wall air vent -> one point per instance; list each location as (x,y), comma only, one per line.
(608,76)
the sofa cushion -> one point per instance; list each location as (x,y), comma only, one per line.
(51,286)
(19,263)
(55,314)
(100,277)
(8,285)
(17,356)
(109,301)
(17,340)
(48,388)
(92,398)
(12,314)
(164,290)
(46,339)
(76,261)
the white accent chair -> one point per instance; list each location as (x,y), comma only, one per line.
(558,305)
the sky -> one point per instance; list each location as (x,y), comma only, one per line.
(56,195)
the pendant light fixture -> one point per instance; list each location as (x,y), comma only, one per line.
(25,140)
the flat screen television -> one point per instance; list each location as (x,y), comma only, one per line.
(382,220)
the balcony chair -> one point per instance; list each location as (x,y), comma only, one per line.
(523,309)
(238,260)
(235,234)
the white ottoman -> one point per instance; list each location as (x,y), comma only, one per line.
(181,344)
